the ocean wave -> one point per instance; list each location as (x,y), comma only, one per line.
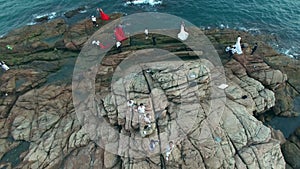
(37,17)
(83,11)
(51,15)
(290,53)
(249,30)
(31,23)
(140,2)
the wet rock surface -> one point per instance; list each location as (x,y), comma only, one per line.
(43,114)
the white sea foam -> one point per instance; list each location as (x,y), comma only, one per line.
(84,11)
(139,2)
(50,15)
(31,23)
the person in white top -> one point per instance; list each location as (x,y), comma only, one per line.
(146,33)
(141,108)
(182,35)
(94,20)
(118,44)
(147,119)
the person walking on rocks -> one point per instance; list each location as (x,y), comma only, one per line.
(254,49)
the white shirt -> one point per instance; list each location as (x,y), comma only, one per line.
(141,109)
(94,18)
(118,44)
(146,32)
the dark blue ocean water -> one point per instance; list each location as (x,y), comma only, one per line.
(280,18)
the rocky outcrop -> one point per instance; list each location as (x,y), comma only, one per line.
(42,38)
(210,127)
(291,150)
(277,72)
(45,117)
(230,138)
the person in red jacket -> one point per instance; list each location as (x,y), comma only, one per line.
(103,15)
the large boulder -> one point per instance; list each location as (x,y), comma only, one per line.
(291,150)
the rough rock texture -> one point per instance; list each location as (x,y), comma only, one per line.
(237,140)
(210,127)
(50,36)
(277,72)
(291,150)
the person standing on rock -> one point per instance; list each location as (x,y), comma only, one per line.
(152,144)
(94,20)
(118,45)
(153,40)
(103,15)
(141,109)
(238,45)
(182,35)
(254,49)
(146,33)
(169,150)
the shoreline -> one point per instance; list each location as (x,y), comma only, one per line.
(79,14)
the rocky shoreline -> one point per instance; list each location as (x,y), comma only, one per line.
(39,110)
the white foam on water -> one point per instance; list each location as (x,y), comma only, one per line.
(50,15)
(139,2)
(84,11)
(31,23)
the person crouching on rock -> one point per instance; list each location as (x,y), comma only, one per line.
(230,50)
(147,120)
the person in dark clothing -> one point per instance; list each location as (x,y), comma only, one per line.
(254,48)
(130,41)
(154,40)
